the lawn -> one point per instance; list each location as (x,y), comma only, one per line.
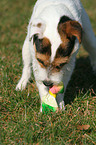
(20,120)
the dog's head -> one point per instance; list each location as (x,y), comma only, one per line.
(69,31)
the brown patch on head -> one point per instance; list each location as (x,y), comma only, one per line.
(44,60)
(42,50)
(43,45)
(58,63)
(70,29)
(65,48)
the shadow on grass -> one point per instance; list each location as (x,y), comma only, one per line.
(82,80)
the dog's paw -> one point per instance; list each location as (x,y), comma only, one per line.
(61,105)
(21,85)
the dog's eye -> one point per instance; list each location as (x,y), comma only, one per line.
(60,66)
(41,62)
(57,67)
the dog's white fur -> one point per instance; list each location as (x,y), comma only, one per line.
(48,13)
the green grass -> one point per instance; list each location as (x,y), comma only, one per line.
(21,123)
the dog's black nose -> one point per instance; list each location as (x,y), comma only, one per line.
(47,83)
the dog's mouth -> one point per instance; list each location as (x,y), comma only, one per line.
(48,83)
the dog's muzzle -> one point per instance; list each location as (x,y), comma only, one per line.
(47,83)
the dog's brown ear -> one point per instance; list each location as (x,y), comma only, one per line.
(71,28)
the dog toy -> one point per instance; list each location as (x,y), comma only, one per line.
(49,101)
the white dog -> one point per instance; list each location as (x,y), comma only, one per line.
(55,32)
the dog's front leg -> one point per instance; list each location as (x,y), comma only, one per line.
(26,73)
(60,101)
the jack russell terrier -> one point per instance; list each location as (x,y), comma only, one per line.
(55,31)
